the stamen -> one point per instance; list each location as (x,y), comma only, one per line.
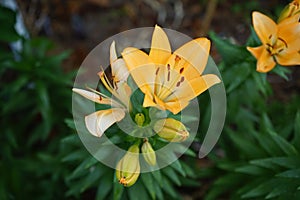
(282,40)
(177,58)
(157,70)
(168,78)
(181,70)
(270,36)
(182,79)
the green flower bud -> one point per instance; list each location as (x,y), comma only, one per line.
(171,130)
(128,168)
(139,119)
(148,153)
(290,10)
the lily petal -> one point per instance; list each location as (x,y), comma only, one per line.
(93,97)
(264,26)
(256,51)
(141,68)
(99,121)
(118,66)
(160,46)
(265,62)
(290,35)
(292,58)
(194,53)
(192,88)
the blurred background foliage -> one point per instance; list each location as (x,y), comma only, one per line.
(257,156)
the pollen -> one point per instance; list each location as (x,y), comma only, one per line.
(177,58)
(123,181)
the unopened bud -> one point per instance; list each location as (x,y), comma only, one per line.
(149,153)
(139,119)
(171,130)
(290,10)
(128,168)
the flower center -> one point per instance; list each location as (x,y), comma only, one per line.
(276,47)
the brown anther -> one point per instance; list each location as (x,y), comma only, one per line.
(169,68)
(181,70)
(157,70)
(182,79)
(270,36)
(177,58)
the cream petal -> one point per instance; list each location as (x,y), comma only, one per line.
(112,52)
(118,66)
(264,26)
(160,46)
(140,67)
(92,96)
(124,91)
(99,121)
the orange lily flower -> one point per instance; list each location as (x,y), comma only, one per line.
(169,81)
(280,42)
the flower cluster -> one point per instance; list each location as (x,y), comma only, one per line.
(280,42)
(168,82)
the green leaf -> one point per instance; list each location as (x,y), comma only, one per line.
(158,191)
(252,170)
(293,173)
(168,188)
(282,71)
(230,53)
(137,191)
(296,139)
(76,155)
(284,145)
(105,186)
(118,190)
(170,173)
(240,72)
(149,184)
(157,176)
(44,107)
(262,189)
(176,165)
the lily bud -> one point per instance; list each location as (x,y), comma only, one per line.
(171,130)
(139,119)
(128,168)
(290,10)
(149,153)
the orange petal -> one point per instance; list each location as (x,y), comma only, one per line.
(265,62)
(192,54)
(292,58)
(192,88)
(290,34)
(264,26)
(140,67)
(256,51)
(160,46)
(99,121)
